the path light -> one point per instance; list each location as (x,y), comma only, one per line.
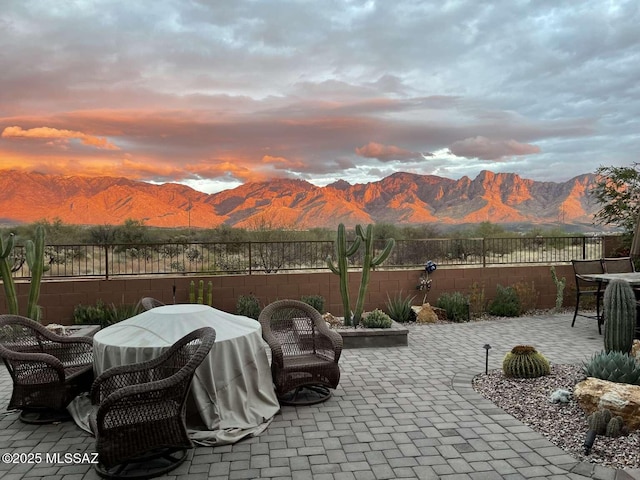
(487,347)
(588,442)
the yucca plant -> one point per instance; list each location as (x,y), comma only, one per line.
(613,366)
(399,308)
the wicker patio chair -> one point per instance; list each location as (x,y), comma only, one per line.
(140,424)
(147,303)
(586,287)
(304,352)
(48,370)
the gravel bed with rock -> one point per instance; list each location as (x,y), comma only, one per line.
(564,424)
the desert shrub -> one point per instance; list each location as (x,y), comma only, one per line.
(102,314)
(506,303)
(249,306)
(376,319)
(316,301)
(90,314)
(528,296)
(456,305)
(477,301)
(399,308)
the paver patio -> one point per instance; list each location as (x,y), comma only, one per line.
(399,412)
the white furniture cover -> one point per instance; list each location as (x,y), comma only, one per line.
(232,389)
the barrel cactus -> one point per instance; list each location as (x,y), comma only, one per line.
(524,361)
(620,313)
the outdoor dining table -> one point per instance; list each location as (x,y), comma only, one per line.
(232,391)
(632,278)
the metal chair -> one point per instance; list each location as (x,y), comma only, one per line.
(586,287)
(304,352)
(618,265)
(140,424)
(48,370)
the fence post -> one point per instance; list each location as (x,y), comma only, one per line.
(250,259)
(106,262)
(484,253)
(584,248)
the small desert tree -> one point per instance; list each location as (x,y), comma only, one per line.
(617,191)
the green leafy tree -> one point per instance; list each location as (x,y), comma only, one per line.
(617,190)
(132,232)
(102,234)
(487,229)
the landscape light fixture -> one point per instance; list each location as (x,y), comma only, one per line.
(588,442)
(487,347)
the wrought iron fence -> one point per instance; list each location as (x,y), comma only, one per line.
(272,257)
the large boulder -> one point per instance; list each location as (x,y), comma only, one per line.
(621,398)
(426,314)
(635,349)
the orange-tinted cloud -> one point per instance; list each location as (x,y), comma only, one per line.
(385,153)
(487,149)
(282,163)
(56,134)
(225,168)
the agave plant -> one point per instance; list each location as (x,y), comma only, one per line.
(613,366)
(399,308)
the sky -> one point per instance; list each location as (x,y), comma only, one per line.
(216,93)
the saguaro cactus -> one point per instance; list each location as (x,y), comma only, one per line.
(6,246)
(620,314)
(369,262)
(560,284)
(342,269)
(35,260)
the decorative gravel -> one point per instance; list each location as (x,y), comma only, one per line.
(564,424)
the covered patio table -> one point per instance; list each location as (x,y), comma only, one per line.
(632,278)
(232,393)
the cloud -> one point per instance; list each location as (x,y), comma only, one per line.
(55,134)
(487,149)
(385,153)
(245,89)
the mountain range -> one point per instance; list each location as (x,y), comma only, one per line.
(401,198)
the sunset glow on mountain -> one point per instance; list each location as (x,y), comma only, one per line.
(217,94)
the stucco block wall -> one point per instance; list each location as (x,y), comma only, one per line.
(59,297)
